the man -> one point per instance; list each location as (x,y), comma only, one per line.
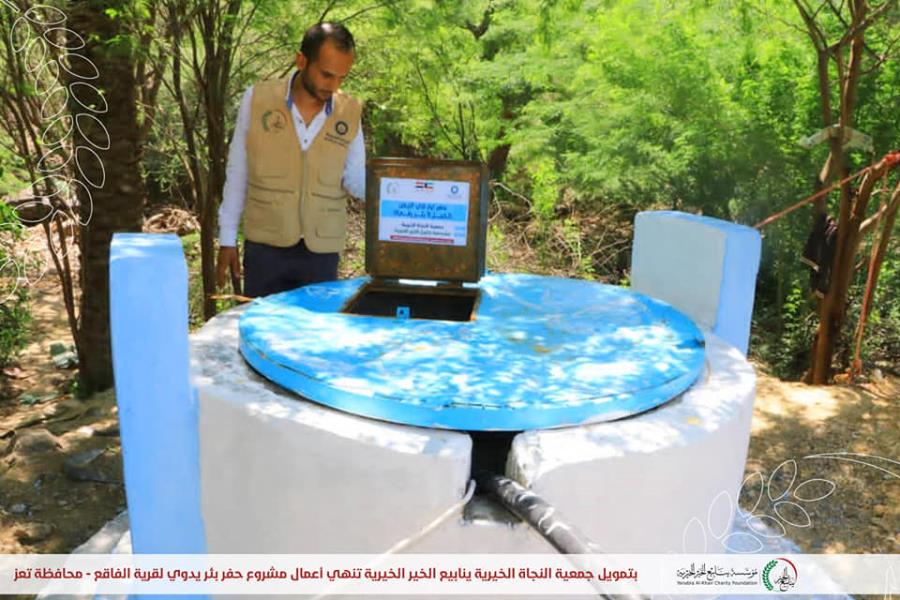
(297,146)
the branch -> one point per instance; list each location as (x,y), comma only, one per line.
(512,192)
(331,4)
(247,62)
(837,10)
(434,112)
(880,59)
(867,22)
(480,29)
(784,22)
(866,225)
(242,31)
(369,8)
(813,30)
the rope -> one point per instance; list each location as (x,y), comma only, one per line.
(891,159)
(454,509)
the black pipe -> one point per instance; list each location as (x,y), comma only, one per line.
(532,509)
(540,515)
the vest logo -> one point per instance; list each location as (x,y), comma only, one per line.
(341,127)
(274,120)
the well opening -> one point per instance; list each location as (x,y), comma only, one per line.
(377,299)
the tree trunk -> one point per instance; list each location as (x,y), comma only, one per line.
(833,307)
(876,260)
(117,205)
(216,24)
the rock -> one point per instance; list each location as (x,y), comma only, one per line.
(879,510)
(79,467)
(111,430)
(66,360)
(65,408)
(18,508)
(62,502)
(15,373)
(32,533)
(86,431)
(83,459)
(877,376)
(29,399)
(57,348)
(35,441)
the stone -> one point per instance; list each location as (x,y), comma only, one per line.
(80,467)
(66,360)
(879,510)
(35,441)
(111,430)
(32,533)
(18,508)
(65,409)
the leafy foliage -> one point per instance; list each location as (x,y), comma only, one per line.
(587,111)
(14,314)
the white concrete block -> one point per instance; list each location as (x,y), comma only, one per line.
(704,267)
(280,474)
(663,481)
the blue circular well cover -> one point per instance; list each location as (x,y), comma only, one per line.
(542,352)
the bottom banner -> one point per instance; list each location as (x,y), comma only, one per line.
(450,574)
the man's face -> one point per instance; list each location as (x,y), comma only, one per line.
(323,77)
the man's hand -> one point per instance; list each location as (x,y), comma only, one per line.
(228,261)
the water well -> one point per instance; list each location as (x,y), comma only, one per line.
(350,416)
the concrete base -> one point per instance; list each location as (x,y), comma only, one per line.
(664,481)
(350,484)
(343,483)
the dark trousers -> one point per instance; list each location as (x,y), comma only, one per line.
(269,269)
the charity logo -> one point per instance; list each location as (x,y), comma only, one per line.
(274,120)
(341,127)
(424,186)
(779,575)
(454,189)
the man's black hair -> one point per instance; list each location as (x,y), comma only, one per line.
(316,35)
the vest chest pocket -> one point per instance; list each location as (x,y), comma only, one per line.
(272,156)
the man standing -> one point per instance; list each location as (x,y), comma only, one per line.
(297,146)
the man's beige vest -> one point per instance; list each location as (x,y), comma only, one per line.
(291,194)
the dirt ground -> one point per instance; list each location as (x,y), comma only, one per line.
(845,442)
(60,459)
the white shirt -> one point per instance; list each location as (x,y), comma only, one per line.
(235,191)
